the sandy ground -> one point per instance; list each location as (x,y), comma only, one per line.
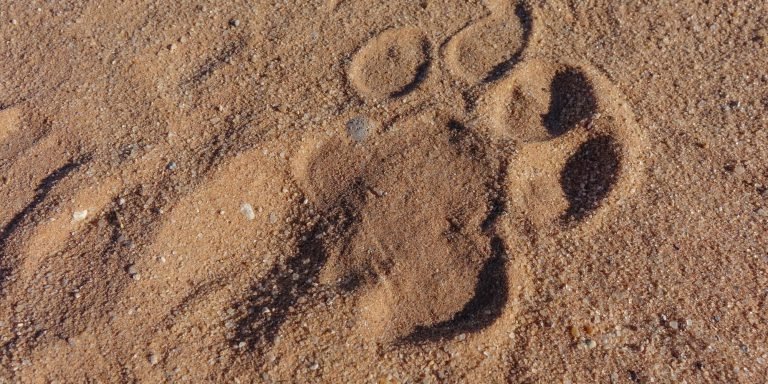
(384,191)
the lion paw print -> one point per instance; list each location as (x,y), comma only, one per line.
(428,210)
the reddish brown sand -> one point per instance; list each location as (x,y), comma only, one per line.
(348,191)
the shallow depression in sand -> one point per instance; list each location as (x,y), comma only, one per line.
(391,64)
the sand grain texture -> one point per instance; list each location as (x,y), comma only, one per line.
(339,191)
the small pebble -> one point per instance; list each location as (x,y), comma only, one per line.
(674,325)
(272,218)
(172,166)
(153,359)
(762,212)
(134,272)
(590,344)
(314,367)
(358,128)
(739,169)
(234,23)
(79,215)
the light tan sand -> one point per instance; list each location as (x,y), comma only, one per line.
(346,191)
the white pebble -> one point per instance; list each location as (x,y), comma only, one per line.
(79,215)
(247,210)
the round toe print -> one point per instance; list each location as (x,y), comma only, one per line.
(486,50)
(392,64)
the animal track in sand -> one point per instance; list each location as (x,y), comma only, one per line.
(487,49)
(428,220)
(392,64)
(425,220)
(578,146)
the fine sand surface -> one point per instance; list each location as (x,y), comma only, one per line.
(400,191)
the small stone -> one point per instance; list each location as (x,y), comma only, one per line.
(172,166)
(762,212)
(739,169)
(590,344)
(234,23)
(79,215)
(272,218)
(461,337)
(133,272)
(153,359)
(247,210)
(674,325)
(358,128)
(172,47)
(314,367)
(574,331)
